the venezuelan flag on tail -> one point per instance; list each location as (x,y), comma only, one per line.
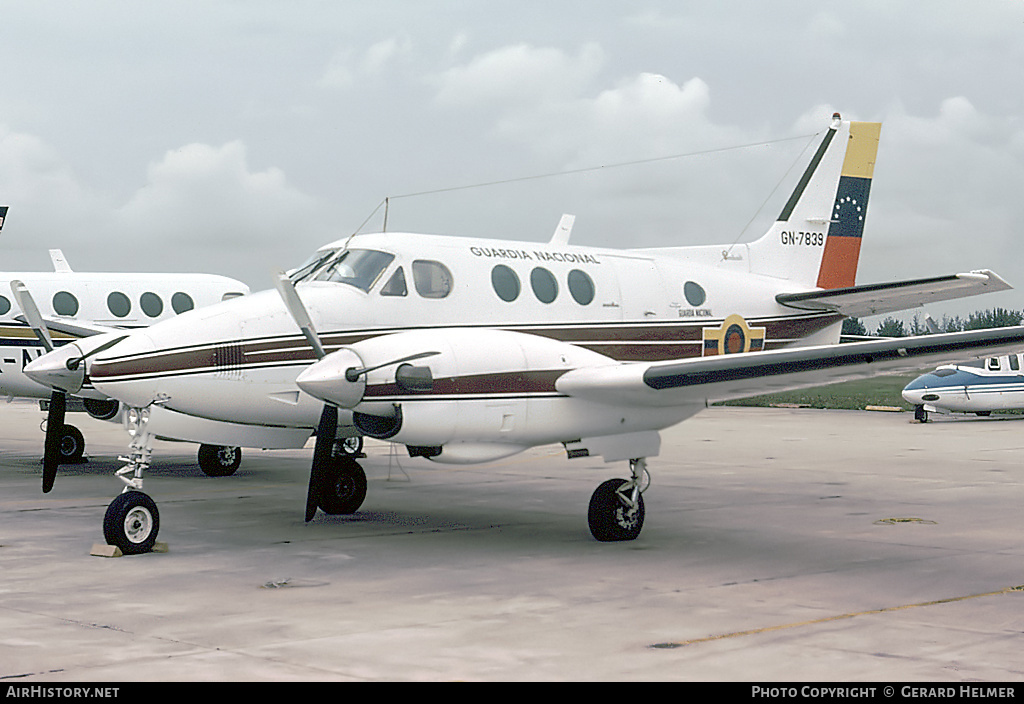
(815,241)
(842,245)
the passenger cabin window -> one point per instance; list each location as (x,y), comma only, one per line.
(356,267)
(181,302)
(581,287)
(694,293)
(432,279)
(119,304)
(993,364)
(395,285)
(5,306)
(64,303)
(544,286)
(1014,362)
(505,283)
(152,304)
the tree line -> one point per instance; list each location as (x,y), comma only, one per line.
(892,326)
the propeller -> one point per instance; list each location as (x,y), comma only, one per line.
(58,399)
(327,428)
(410,377)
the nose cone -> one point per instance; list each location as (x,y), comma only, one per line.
(326,379)
(60,369)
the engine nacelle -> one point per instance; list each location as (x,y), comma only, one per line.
(468,395)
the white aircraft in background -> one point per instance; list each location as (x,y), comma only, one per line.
(469,350)
(979,387)
(81,304)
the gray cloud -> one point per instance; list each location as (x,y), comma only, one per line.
(145,135)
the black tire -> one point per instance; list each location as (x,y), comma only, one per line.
(72,445)
(344,487)
(219,460)
(920,414)
(132,523)
(609,518)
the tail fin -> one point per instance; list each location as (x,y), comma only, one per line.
(3,215)
(816,239)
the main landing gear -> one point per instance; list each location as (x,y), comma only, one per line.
(219,460)
(617,506)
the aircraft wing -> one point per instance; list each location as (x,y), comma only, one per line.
(77,328)
(721,378)
(876,299)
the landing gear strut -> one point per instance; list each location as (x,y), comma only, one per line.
(617,506)
(132,520)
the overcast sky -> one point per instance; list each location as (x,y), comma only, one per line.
(236,136)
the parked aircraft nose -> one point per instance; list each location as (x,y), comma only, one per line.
(125,371)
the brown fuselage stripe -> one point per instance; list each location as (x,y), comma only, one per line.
(621,342)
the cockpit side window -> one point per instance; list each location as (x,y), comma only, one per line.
(356,267)
(1015,362)
(432,279)
(395,285)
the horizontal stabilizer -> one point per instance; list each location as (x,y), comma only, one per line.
(711,379)
(877,299)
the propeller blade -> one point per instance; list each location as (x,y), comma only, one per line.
(298,312)
(325,433)
(31,311)
(54,431)
(328,426)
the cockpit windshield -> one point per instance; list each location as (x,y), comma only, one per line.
(356,267)
(316,261)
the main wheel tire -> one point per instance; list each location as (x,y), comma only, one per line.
(72,445)
(132,523)
(219,460)
(609,518)
(344,487)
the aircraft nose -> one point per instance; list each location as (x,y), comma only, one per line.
(125,372)
(327,380)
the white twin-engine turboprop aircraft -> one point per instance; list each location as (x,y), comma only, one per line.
(468,350)
(73,305)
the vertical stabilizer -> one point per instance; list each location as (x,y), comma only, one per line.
(842,246)
(3,215)
(816,239)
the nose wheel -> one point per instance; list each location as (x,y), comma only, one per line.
(132,523)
